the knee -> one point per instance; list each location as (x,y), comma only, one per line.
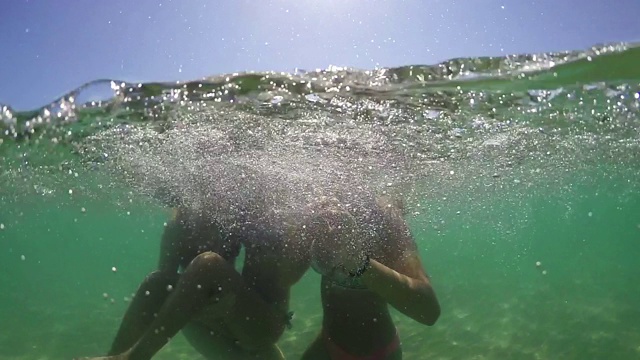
(210,273)
(206,261)
(208,258)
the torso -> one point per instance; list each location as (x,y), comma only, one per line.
(357,320)
(202,235)
(273,263)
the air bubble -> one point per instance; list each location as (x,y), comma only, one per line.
(1,226)
(114,269)
(169,287)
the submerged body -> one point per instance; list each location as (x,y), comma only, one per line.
(356,321)
(222,313)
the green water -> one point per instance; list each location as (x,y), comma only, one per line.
(493,185)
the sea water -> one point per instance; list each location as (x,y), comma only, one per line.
(521,177)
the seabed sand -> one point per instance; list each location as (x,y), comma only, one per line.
(472,327)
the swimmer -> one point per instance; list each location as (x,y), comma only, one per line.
(367,261)
(224,314)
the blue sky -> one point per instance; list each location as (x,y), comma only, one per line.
(50,47)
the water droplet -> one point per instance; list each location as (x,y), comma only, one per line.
(105,295)
(146,293)
(544,272)
(538,264)
(1,226)
(83,210)
(23,258)
(169,287)
(590,214)
(114,269)
(70,192)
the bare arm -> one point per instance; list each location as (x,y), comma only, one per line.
(408,290)
(403,283)
(173,234)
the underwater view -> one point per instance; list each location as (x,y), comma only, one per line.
(520,178)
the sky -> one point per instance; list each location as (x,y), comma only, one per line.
(48,48)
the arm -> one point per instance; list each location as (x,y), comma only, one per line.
(169,259)
(403,283)
(408,290)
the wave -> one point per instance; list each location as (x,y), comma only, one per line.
(537,76)
(459,127)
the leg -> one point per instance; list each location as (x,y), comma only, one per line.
(217,345)
(147,301)
(206,280)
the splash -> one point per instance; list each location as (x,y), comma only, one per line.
(268,143)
